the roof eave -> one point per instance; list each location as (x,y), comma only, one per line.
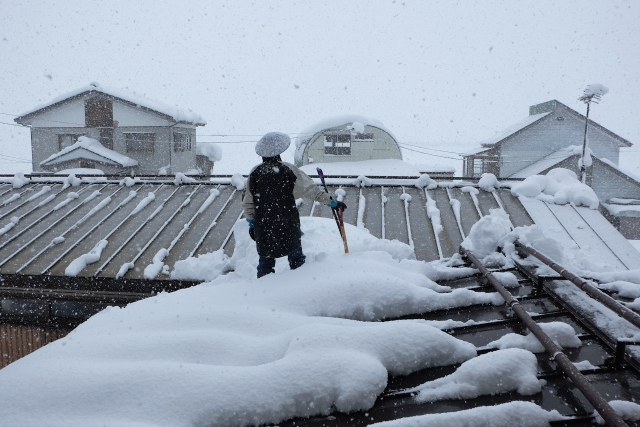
(598,126)
(106,162)
(112,97)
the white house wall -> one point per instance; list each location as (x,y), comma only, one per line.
(548,136)
(148,163)
(126,115)
(69,114)
(383,146)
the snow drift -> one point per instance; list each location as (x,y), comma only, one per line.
(559,186)
(239,350)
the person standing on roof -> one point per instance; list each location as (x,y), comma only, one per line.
(270,204)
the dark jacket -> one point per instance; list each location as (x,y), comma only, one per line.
(270,201)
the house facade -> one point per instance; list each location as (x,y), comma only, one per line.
(349,138)
(156,136)
(551,126)
(551,137)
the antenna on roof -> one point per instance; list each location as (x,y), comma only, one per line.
(592,93)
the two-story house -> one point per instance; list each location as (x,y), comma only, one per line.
(552,137)
(125,133)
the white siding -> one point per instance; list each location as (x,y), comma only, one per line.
(70,114)
(549,135)
(130,116)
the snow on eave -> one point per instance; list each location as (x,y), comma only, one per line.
(476,150)
(620,172)
(95,147)
(175,114)
(513,130)
(303,138)
(547,162)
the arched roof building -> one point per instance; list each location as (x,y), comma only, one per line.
(346,138)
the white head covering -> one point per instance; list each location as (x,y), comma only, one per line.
(273,144)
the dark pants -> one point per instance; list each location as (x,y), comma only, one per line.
(265,265)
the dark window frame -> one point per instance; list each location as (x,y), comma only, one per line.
(74,138)
(337,144)
(363,137)
(140,142)
(181,142)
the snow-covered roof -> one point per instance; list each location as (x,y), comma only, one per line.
(88,148)
(623,210)
(522,124)
(381,167)
(180,115)
(285,346)
(548,161)
(476,150)
(351,122)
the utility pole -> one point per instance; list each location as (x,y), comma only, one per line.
(592,93)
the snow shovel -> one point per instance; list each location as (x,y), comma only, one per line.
(337,215)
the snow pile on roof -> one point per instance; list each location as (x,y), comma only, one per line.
(238,181)
(381,167)
(623,288)
(426,181)
(77,265)
(240,350)
(562,334)
(183,179)
(94,146)
(499,136)
(209,149)
(521,414)
(626,210)
(485,234)
(488,374)
(178,114)
(629,411)
(559,186)
(19,180)
(488,182)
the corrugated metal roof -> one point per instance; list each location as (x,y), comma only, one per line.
(59,226)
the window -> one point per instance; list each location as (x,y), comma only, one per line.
(67,140)
(106,137)
(337,144)
(87,164)
(181,142)
(364,137)
(478,166)
(140,142)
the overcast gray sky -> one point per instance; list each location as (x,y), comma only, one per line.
(439,74)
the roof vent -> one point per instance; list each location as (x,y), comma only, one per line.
(559,118)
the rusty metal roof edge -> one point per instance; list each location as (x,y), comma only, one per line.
(89,284)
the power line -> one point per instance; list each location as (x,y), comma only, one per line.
(429,154)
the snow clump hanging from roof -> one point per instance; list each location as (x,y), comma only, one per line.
(488,182)
(485,234)
(426,181)
(559,186)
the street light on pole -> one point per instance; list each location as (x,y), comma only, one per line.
(592,93)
